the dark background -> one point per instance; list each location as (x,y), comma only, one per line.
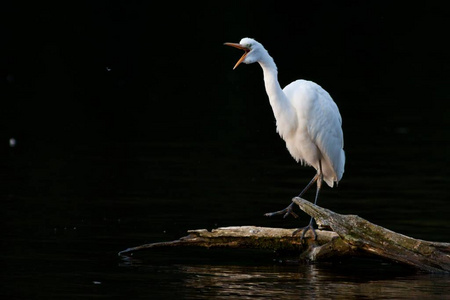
(170,75)
(93,91)
(118,98)
(131,127)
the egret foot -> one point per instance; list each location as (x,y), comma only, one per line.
(285,212)
(288,210)
(305,229)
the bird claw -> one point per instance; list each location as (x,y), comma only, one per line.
(304,230)
(290,213)
(285,212)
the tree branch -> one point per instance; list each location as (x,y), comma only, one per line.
(351,236)
(374,239)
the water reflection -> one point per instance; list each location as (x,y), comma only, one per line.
(313,281)
(156,197)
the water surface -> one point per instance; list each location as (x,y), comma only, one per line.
(67,216)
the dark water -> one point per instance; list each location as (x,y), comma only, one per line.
(131,128)
(67,217)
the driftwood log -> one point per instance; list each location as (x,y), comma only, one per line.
(350,236)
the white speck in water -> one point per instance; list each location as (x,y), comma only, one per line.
(402,130)
(96,282)
(10,78)
(108,69)
(12,142)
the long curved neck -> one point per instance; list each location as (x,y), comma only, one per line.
(282,108)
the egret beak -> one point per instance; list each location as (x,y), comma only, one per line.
(239,46)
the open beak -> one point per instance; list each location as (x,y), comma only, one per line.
(239,46)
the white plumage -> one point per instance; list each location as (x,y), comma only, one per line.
(307,119)
(318,134)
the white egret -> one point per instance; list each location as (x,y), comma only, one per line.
(307,119)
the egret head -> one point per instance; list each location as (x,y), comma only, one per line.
(253,51)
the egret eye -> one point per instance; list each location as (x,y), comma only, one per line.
(249,46)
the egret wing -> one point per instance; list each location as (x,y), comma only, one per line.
(325,128)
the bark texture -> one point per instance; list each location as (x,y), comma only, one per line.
(350,236)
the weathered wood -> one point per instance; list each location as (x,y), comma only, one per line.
(360,233)
(251,237)
(351,236)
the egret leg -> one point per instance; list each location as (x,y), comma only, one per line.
(310,226)
(288,210)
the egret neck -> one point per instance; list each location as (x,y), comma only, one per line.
(308,120)
(282,108)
